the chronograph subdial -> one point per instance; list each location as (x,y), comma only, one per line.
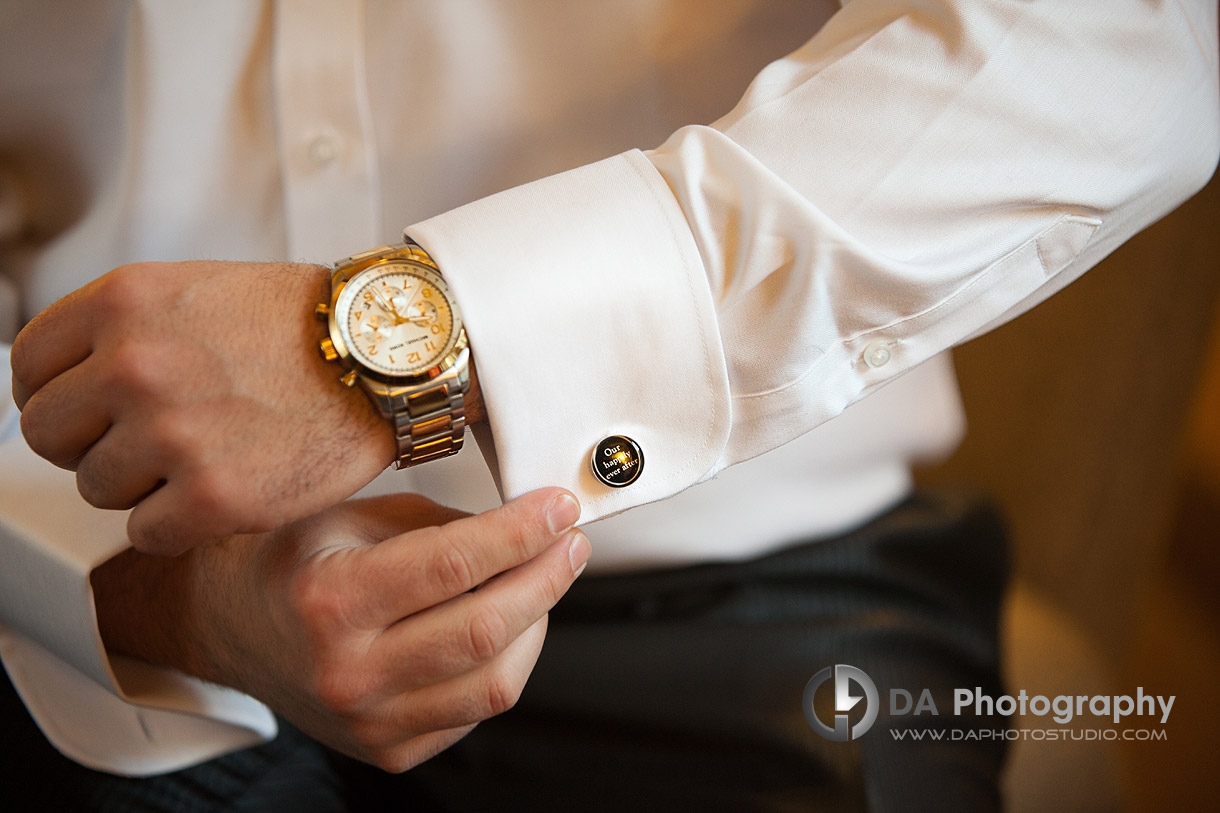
(391,299)
(377,328)
(421,312)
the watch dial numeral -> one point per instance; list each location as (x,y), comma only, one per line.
(413,358)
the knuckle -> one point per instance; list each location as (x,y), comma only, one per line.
(40,435)
(316,605)
(156,543)
(20,361)
(92,482)
(213,494)
(338,678)
(392,761)
(159,536)
(123,290)
(555,585)
(395,758)
(521,542)
(381,742)
(176,437)
(453,570)
(339,689)
(524,532)
(142,534)
(133,370)
(487,634)
(406,754)
(322,608)
(501,691)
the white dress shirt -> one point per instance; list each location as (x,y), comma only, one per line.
(911,176)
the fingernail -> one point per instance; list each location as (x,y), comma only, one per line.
(578,552)
(563,513)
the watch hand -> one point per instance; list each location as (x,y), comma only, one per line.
(384,301)
(387,304)
(421,312)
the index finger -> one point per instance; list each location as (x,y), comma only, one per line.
(419,569)
(55,340)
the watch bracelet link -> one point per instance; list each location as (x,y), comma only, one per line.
(409,251)
(428,424)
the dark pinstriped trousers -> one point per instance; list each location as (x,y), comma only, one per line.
(672,690)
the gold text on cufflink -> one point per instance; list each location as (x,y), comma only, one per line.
(617,461)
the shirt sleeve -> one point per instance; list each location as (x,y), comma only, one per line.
(914,175)
(108,713)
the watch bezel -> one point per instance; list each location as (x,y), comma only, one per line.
(450,357)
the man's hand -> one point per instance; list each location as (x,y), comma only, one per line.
(194,392)
(380,649)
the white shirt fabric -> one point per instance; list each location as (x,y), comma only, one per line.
(913,175)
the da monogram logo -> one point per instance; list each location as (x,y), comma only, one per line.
(845,701)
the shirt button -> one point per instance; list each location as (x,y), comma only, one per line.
(877,354)
(617,461)
(324,149)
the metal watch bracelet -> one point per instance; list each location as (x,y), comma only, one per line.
(429,423)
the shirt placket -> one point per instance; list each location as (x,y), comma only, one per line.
(324,129)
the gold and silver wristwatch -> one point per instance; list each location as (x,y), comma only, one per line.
(397,332)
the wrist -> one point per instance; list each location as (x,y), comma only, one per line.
(475,413)
(153,608)
(125,589)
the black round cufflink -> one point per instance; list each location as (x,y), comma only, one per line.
(617,461)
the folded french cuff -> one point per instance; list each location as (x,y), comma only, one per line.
(568,285)
(117,715)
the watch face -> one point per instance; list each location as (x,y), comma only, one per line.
(396,318)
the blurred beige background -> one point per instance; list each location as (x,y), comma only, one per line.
(1095,423)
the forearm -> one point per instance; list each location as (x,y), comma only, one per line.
(193,613)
